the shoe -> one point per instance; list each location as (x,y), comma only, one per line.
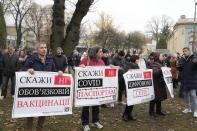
(132,118)
(1,97)
(152,114)
(187,111)
(104,106)
(128,118)
(161,113)
(110,105)
(195,114)
(123,103)
(86,128)
(125,118)
(97,125)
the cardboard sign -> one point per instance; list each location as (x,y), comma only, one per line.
(139,86)
(42,94)
(95,85)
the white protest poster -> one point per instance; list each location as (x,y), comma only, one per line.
(95,85)
(167,75)
(139,86)
(42,94)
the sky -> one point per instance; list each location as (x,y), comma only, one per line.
(133,15)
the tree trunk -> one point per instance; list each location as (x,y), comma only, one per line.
(58,24)
(19,35)
(73,29)
(3,33)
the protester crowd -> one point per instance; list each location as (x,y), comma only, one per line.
(183,69)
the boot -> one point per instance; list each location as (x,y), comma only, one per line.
(152,109)
(127,115)
(158,109)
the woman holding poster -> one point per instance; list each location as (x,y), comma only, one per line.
(159,85)
(94,59)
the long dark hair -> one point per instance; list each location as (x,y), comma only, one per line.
(92,52)
(156,56)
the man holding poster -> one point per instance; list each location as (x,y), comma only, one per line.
(39,62)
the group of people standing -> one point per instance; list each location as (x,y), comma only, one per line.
(96,56)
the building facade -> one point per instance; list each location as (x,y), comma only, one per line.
(182,35)
(28,38)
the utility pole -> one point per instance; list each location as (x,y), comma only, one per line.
(194,32)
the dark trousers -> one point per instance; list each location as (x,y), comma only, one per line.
(1,77)
(85,115)
(128,111)
(29,123)
(154,105)
(121,85)
(5,85)
(181,91)
(175,83)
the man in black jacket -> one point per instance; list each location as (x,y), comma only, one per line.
(60,60)
(119,60)
(10,64)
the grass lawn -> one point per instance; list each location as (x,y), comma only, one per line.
(110,118)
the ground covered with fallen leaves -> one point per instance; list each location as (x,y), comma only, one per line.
(110,118)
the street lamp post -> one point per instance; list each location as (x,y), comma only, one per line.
(194,32)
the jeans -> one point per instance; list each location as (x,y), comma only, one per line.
(5,85)
(187,95)
(70,69)
(85,115)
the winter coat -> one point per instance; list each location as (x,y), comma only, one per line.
(158,82)
(74,60)
(1,60)
(188,72)
(106,60)
(60,62)
(92,62)
(35,63)
(10,64)
(117,61)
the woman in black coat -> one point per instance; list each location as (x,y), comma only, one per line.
(159,85)
(133,64)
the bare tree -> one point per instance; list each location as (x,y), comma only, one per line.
(58,24)
(38,19)
(18,9)
(73,29)
(5,4)
(33,20)
(157,24)
(3,33)
(154,28)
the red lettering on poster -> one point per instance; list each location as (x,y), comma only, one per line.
(62,80)
(110,72)
(147,74)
